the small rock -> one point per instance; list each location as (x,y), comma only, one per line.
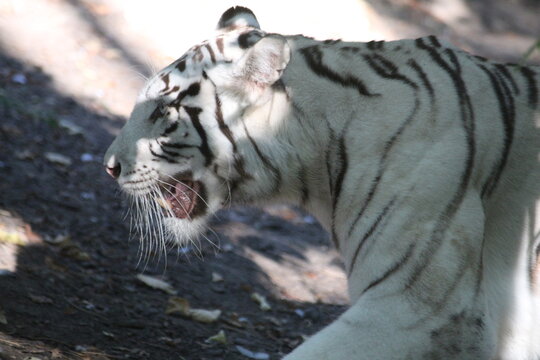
(86,157)
(88,195)
(58,239)
(220,337)
(108,334)
(227,248)
(19,78)
(40,299)
(25,155)
(308,219)
(252,355)
(58,158)
(216,277)
(72,128)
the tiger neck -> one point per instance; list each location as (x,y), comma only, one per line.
(278,168)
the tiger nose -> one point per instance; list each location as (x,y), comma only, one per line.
(113,167)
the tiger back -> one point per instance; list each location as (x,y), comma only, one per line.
(420,159)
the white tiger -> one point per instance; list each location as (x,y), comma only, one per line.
(421,160)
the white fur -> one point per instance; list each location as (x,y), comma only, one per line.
(452,286)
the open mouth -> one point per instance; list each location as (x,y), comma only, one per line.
(182,198)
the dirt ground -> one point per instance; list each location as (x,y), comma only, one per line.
(69,272)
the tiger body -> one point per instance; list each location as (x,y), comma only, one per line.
(421,161)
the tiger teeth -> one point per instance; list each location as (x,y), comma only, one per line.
(163,204)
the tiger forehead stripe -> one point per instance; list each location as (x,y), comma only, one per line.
(192,90)
(219,43)
(211,52)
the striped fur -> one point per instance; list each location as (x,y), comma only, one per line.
(421,160)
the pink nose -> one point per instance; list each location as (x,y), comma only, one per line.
(114,170)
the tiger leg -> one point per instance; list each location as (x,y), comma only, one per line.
(383,329)
(438,312)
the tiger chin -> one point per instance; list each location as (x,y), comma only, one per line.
(420,160)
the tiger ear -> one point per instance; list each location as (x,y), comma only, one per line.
(264,62)
(236,17)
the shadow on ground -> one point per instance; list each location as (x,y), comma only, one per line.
(80,298)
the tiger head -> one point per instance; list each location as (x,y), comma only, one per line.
(177,155)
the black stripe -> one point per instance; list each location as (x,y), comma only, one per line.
(192,90)
(346,49)
(421,73)
(181,65)
(314,59)
(304,189)
(248,39)
(166,158)
(225,130)
(467,116)
(375,45)
(166,79)
(211,52)
(434,41)
(368,234)
(480,58)
(177,145)
(170,129)
(156,114)
(344,164)
(204,148)
(219,43)
(532,88)
(504,71)
(170,91)
(454,60)
(506,108)
(328,157)
(265,160)
(391,270)
(332,41)
(382,165)
(174,154)
(386,69)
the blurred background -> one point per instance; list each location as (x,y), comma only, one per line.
(69,73)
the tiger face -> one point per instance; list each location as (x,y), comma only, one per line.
(177,157)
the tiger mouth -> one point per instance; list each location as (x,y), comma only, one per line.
(181,198)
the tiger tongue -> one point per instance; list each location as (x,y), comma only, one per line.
(182,200)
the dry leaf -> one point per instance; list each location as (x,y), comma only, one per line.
(25,155)
(252,355)
(58,158)
(216,277)
(40,299)
(220,337)
(261,300)
(181,306)
(72,128)
(58,239)
(156,283)
(204,316)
